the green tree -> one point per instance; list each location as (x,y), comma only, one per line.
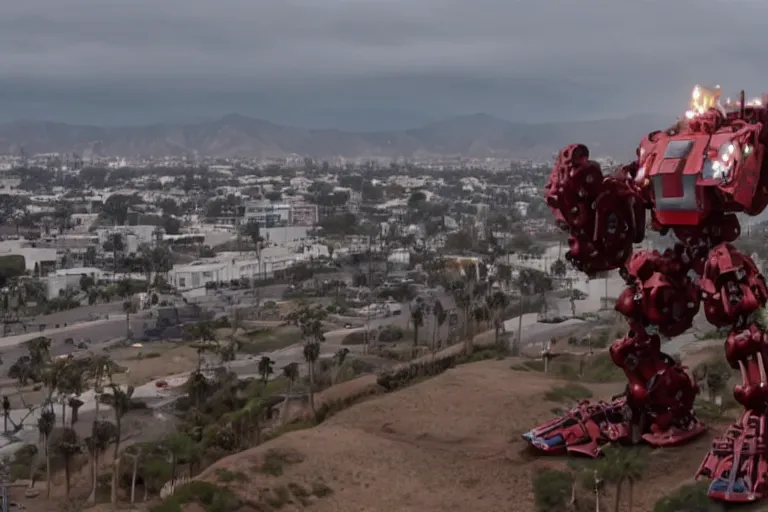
(718,372)
(290,372)
(266,369)
(558,268)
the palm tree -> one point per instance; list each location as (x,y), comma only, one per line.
(632,468)
(129,308)
(45,426)
(101,368)
(67,445)
(339,358)
(462,295)
(102,434)
(291,372)
(311,355)
(417,317)
(619,466)
(134,453)
(6,412)
(71,383)
(439,317)
(121,404)
(252,230)
(497,303)
(265,369)
(115,242)
(179,446)
(310,321)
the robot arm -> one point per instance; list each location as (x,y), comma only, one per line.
(604,215)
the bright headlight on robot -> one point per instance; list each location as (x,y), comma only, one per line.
(721,168)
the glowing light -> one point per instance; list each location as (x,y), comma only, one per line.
(703,99)
(696,93)
(722,166)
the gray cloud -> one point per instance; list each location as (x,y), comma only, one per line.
(370,63)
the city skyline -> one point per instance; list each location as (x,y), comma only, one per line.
(363,65)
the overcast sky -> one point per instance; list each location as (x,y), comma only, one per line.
(366,64)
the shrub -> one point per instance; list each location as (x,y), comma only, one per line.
(321,490)
(600,368)
(210,496)
(391,333)
(570,393)
(354,338)
(226,476)
(275,461)
(688,498)
(406,374)
(551,490)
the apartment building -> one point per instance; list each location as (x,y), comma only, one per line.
(303,214)
(267,214)
(290,213)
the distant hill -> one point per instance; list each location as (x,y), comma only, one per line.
(478,135)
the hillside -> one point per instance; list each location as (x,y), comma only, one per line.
(449,443)
(478,135)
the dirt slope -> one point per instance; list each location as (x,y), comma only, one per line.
(449,443)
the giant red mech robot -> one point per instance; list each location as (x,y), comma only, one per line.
(692,179)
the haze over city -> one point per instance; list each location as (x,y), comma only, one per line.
(369,64)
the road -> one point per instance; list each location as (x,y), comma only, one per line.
(100,332)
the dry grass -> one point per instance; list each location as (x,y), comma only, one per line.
(452,442)
(173,359)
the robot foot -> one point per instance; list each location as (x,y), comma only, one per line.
(685,431)
(737,463)
(583,429)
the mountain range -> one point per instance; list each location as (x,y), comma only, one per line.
(477,135)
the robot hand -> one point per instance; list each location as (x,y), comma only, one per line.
(604,215)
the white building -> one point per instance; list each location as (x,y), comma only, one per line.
(268,214)
(69,278)
(37,260)
(230,266)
